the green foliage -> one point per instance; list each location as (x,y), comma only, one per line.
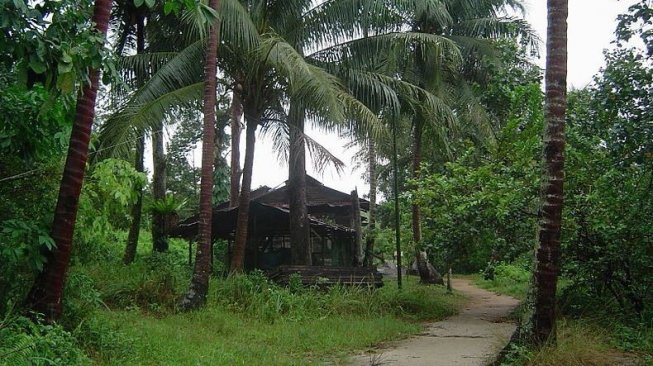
(638,21)
(33,129)
(153,283)
(108,192)
(22,247)
(477,210)
(33,135)
(509,279)
(23,342)
(249,320)
(52,43)
(254,295)
(168,204)
(606,242)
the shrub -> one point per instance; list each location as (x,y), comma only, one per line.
(153,283)
(23,342)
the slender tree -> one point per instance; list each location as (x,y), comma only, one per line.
(371,213)
(47,292)
(300,230)
(547,267)
(137,209)
(252,118)
(199,285)
(236,172)
(159,240)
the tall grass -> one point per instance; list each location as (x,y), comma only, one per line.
(250,321)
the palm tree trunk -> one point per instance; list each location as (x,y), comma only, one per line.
(300,235)
(236,113)
(137,209)
(159,241)
(135,227)
(427,272)
(371,221)
(357,254)
(240,243)
(422,267)
(46,294)
(199,284)
(547,267)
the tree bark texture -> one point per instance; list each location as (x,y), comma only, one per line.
(371,220)
(236,172)
(300,230)
(199,284)
(240,243)
(357,254)
(159,240)
(550,221)
(47,292)
(137,209)
(427,272)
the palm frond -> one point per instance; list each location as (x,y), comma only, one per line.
(120,131)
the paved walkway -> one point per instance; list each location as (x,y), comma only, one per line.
(472,338)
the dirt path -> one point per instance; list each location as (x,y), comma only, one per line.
(471,338)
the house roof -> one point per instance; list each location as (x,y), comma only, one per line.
(265,219)
(317,194)
(271,205)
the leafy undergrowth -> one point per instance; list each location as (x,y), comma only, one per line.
(250,321)
(580,343)
(508,279)
(591,331)
(127,315)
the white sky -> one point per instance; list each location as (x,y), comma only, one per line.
(591,27)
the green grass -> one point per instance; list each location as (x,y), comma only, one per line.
(217,337)
(248,320)
(590,331)
(127,315)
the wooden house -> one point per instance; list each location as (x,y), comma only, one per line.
(335,221)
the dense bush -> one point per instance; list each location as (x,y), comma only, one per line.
(153,283)
(23,342)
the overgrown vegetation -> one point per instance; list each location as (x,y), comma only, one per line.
(127,315)
(460,89)
(591,331)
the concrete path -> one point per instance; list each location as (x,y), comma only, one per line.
(472,338)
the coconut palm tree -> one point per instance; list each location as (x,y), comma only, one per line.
(259,54)
(131,21)
(199,285)
(550,223)
(473,25)
(46,294)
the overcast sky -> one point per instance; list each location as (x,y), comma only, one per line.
(591,27)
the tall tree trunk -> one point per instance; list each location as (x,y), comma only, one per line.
(159,240)
(135,227)
(371,221)
(300,234)
(356,225)
(427,272)
(240,244)
(46,294)
(137,209)
(550,222)
(236,172)
(199,284)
